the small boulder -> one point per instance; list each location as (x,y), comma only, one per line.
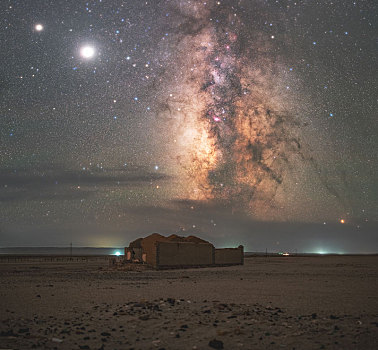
(216,344)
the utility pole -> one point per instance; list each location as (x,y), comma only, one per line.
(71,250)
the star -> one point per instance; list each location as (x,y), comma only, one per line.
(87,52)
(38,27)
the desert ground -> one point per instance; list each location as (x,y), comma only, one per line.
(325,302)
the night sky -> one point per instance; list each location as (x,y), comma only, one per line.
(244,122)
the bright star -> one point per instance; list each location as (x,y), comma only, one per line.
(87,52)
(38,27)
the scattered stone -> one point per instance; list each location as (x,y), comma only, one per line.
(23,330)
(216,344)
(156,342)
(221,332)
(8,334)
(139,305)
(57,340)
(105,334)
(171,301)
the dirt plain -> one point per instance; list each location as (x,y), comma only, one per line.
(325,302)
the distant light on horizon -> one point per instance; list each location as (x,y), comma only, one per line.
(322,251)
(117,253)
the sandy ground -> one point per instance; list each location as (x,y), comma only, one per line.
(269,303)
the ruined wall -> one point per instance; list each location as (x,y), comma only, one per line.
(229,256)
(133,254)
(183,254)
(149,247)
(150,250)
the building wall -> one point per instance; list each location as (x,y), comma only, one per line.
(149,247)
(183,254)
(229,256)
(133,254)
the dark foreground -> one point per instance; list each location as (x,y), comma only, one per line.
(269,303)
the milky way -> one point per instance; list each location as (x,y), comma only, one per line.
(237,141)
